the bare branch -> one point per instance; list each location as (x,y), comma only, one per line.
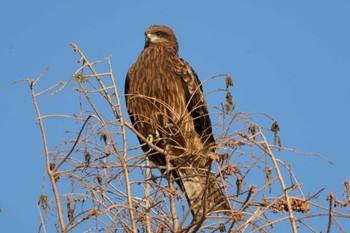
(100,180)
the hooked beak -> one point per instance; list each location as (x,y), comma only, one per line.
(149,39)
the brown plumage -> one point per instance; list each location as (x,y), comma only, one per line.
(166,105)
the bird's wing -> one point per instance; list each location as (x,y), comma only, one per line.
(196,104)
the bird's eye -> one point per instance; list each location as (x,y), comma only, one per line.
(159,33)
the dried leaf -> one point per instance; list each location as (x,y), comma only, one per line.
(79,78)
(229,82)
(52,166)
(87,157)
(43,202)
(275,128)
(70,212)
(99,180)
(252,130)
(103,137)
(239,182)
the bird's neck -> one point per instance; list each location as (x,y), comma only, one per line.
(162,51)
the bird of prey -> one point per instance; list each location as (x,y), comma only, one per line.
(165,101)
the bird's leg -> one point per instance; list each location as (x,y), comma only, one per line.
(168,125)
(157,134)
(150,137)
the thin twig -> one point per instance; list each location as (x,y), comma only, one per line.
(110,102)
(47,158)
(42,221)
(148,197)
(74,145)
(284,188)
(330,215)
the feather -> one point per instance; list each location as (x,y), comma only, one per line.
(165,99)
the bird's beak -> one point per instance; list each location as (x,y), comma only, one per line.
(149,39)
(147,42)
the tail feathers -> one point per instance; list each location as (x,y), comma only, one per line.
(203,192)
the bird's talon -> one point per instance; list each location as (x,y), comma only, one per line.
(168,125)
(150,138)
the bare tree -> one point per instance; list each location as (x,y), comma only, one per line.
(98,179)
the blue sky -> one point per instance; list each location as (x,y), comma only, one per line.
(290,60)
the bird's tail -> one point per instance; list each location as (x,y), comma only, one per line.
(203,191)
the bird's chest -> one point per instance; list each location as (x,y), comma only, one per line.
(160,87)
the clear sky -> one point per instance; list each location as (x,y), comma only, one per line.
(290,59)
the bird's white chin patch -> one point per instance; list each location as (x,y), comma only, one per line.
(152,38)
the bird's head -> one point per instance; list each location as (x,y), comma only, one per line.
(161,35)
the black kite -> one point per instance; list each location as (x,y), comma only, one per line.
(166,105)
